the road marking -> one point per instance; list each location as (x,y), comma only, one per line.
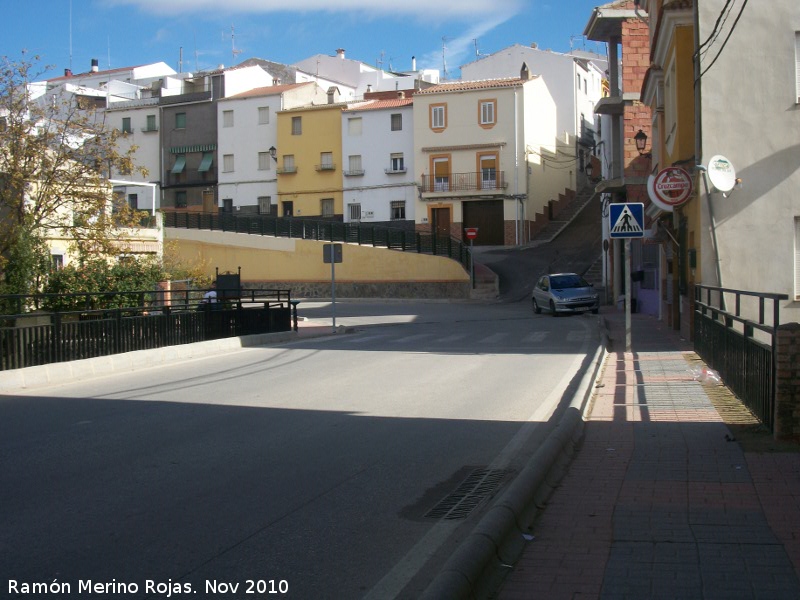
(367,338)
(412,338)
(535,337)
(452,338)
(494,338)
(576,336)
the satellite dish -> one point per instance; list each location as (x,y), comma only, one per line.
(721,173)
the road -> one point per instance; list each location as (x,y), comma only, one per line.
(319,465)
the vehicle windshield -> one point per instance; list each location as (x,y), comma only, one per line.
(562,282)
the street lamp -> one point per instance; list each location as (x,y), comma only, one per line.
(641,141)
(273,152)
(588,169)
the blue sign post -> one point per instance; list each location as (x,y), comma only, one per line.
(626,221)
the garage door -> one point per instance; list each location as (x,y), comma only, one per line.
(487,216)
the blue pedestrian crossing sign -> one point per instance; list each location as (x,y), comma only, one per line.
(626,220)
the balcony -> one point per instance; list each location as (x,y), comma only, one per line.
(325,167)
(393,171)
(286,170)
(482,183)
(354,173)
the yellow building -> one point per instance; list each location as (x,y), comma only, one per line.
(309,158)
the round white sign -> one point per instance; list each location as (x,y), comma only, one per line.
(670,187)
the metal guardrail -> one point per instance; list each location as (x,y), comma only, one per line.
(321,230)
(163,319)
(726,341)
(464,182)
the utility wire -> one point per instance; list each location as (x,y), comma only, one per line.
(716,27)
(733,27)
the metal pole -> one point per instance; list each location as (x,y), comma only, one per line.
(627,295)
(472,263)
(333,285)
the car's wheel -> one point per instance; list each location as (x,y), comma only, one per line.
(536,308)
(553,308)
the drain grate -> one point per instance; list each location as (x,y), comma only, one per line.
(477,487)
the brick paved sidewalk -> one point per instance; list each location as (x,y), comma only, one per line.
(660,501)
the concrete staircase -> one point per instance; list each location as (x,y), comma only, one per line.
(563,218)
(487,284)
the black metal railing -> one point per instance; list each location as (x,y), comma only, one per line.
(464,182)
(727,342)
(110,327)
(325,230)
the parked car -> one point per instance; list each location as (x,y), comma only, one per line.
(564,293)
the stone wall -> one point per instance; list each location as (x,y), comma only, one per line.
(787,397)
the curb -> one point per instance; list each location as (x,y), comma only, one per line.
(479,564)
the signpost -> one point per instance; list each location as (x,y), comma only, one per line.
(626,221)
(332,253)
(471,233)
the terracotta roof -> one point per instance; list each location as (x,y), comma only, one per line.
(382,104)
(464,86)
(271,90)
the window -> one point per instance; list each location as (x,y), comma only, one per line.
(297,125)
(57,261)
(264,161)
(326,207)
(325,161)
(151,123)
(227,118)
(797,258)
(354,126)
(180,164)
(355,212)
(205,163)
(488,163)
(180,120)
(227,163)
(288,163)
(397,122)
(578,75)
(180,199)
(441,174)
(397,163)
(288,208)
(133,201)
(265,206)
(438,116)
(126,125)
(354,165)
(263,115)
(227,205)
(398,210)
(487,112)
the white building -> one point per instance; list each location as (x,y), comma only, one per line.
(378,150)
(247,139)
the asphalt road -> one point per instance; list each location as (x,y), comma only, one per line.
(313,466)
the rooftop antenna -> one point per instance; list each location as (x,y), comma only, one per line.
(380,60)
(234,51)
(70,35)
(444,57)
(109,51)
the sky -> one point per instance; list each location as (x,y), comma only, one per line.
(441,34)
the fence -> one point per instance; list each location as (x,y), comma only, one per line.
(727,342)
(39,338)
(321,230)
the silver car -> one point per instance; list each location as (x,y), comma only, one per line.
(564,293)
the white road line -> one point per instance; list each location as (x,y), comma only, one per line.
(494,338)
(535,337)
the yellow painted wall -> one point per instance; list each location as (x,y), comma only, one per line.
(682,49)
(267,259)
(321,132)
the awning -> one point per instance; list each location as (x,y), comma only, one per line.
(188,149)
(205,164)
(180,163)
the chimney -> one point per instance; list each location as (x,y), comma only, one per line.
(67,72)
(413,63)
(95,65)
(401,94)
(524,72)
(340,53)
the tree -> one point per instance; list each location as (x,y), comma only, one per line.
(56,154)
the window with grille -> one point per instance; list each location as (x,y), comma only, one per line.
(180,199)
(325,161)
(397,122)
(326,207)
(227,118)
(227,163)
(355,212)
(263,115)
(126,125)
(265,206)
(397,162)
(288,163)
(151,123)
(398,210)
(297,125)
(354,165)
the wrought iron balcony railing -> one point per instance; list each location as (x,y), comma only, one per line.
(464,182)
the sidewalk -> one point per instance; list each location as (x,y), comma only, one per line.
(660,500)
